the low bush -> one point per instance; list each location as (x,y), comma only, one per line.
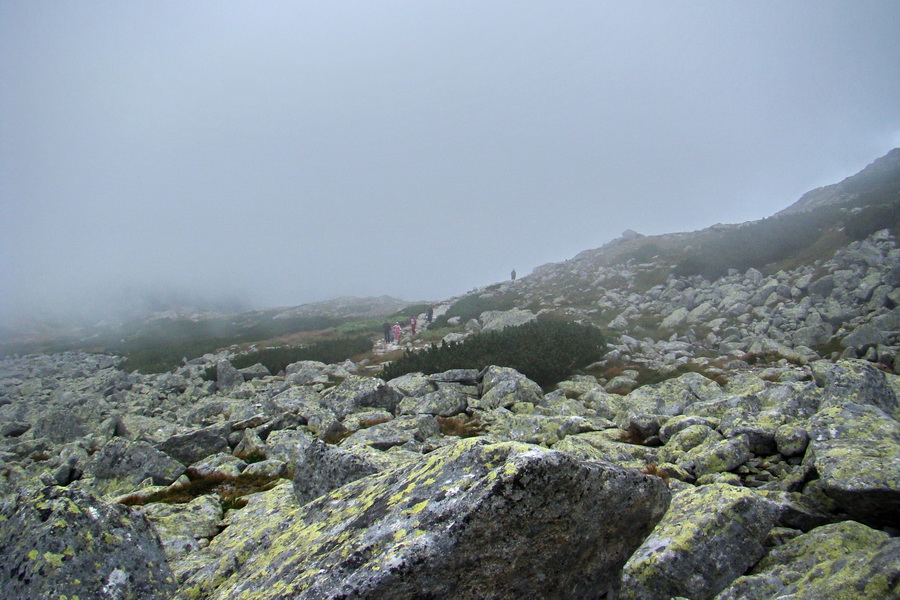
(544,351)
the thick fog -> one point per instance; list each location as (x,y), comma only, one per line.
(257,154)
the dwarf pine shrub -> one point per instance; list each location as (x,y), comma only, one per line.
(544,351)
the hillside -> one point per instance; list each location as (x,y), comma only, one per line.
(731,430)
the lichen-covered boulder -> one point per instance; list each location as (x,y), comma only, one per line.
(413,384)
(841,560)
(65,543)
(531,429)
(718,456)
(471,520)
(183,528)
(122,464)
(222,464)
(227,377)
(668,398)
(855,450)
(288,445)
(322,468)
(251,447)
(599,445)
(856,381)
(686,439)
(296,400)
(444,402)
(194,446)
(406,429)
(59,427)
(502,387)
(709,536)
(356,392)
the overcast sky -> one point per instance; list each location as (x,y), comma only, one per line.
(287,152)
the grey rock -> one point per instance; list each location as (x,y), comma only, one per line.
(843,560)
(502,387)
(477,521)
(227,377)
(322,468)
(124,464)
(194,446)
(709,536)
(256,371)
(222,464)
(58,542)
(60,427)
(357,392)
(854,448)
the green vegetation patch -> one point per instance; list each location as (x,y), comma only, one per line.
(544,351)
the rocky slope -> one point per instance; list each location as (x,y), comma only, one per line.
(740,440)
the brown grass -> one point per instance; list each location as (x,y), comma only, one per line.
(462,426)
(656,471)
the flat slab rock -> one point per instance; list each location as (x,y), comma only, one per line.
(472,520)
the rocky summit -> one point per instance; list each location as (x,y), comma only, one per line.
(739,440)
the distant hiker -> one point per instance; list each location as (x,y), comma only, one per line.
(412,324)
(387,332)
(397,331)
(429,315)
(513,275)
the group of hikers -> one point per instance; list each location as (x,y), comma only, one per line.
(392,332)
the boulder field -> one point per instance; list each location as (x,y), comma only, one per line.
(323,482)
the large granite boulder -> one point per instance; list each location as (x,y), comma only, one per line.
(668,398)
(471,520)
(59,427)
(122,464)
(322,468)
(227,376)
(403,430)
(502,387)
(186,527)
(855,450)
(445,402)
(840,560)
(855,381)
(356,392)
(194,446)
(64,543)
(709,536)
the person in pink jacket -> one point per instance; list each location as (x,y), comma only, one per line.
(397,330)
